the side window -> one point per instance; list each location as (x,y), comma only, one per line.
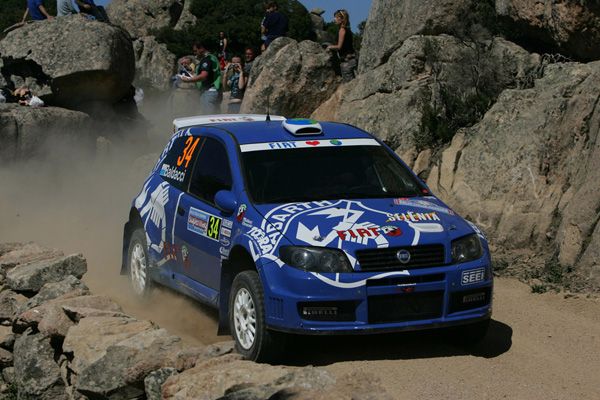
(177,166)
(211,172)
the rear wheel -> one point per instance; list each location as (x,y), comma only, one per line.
(138,262)
(247,320)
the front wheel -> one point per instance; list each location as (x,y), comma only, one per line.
(138,263)
(247,320)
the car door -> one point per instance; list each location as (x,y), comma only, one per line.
(159,212)
(204,232)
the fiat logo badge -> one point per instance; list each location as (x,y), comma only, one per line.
(403,256)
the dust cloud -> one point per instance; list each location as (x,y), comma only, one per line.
(77,199)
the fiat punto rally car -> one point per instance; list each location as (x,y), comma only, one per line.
(303,227)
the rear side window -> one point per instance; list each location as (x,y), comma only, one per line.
(212,172)
(179,162)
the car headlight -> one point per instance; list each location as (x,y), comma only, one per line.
(467,248)
(315,259)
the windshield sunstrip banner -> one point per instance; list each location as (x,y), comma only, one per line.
(304,144)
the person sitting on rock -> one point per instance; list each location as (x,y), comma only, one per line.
(37,11)
(64,8)
(235,81)
(345,45)
(90,10)
(21,95)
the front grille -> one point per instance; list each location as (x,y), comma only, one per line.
(405,280)
(405,307)
(424,256)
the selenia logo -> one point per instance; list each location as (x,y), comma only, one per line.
(172,173)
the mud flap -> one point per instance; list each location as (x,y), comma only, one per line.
(126,236)
(224,290)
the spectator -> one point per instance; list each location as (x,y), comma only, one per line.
(345,46)
(235,80)
(249,57)
(37,11)
(91,11)
(22,95)
(64,8)
(207,77)
(274,25)
(223,45)
(185,67)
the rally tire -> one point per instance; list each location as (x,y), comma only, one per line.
(469,335)
(138,263)
(247,314)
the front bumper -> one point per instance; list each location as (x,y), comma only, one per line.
(296,301)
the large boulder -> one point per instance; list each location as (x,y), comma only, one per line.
(391,22)
(27,132)
(290,78)
(140,18)
(31,277)
(569,27)
(186,19)
(545,202)
(14,254)
(70,60)
(428,88)
(154,64)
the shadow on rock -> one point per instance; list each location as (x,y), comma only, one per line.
(325,350)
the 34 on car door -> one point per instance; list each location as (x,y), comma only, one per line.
(203,230)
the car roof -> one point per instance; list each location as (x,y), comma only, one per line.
(274,131)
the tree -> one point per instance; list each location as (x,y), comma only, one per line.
(239,19)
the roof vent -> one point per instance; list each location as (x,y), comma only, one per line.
(302,127)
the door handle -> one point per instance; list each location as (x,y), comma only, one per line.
(180,210)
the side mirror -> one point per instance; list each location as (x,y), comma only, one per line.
(226,201)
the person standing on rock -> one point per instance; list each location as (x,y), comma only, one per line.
(64,8)
(36,9)
(90,10)
(275,24)
(345,45)
(208,79)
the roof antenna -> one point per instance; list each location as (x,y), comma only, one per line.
(268,106)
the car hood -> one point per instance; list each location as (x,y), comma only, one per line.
(353,225)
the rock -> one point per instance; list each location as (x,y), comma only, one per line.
(49,314)
(425,78)
(141,18)
(571,28)
(154,64)
(520,206)
(25,132)
(186,19)
(13,254)
(32,276)
(305,78)
(67,71)
(10,303)
(76,314)
(154,381)
(54,290)
(391,22)
(6,358)
(36,374)
(7,337)
(8,375)
(112,356)
(317,11)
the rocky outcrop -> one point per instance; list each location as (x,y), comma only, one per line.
(26,131)
(428,88)
(318,24)
(186,19)
(140,18)
(154,64)
(290,78)
(84,61)
(544,204)
(391,22)
(571,27)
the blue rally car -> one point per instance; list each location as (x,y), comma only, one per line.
(295,226)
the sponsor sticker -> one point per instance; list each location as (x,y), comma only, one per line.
(372,232)
(241,212)
(472,276)
(197,221)
(247,223)
(225,232)
(299,144)
(412,216)
(224,251)
(225,242)
(227,223)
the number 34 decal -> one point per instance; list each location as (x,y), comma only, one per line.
(188,151)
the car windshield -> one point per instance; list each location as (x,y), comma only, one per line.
(327,173)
